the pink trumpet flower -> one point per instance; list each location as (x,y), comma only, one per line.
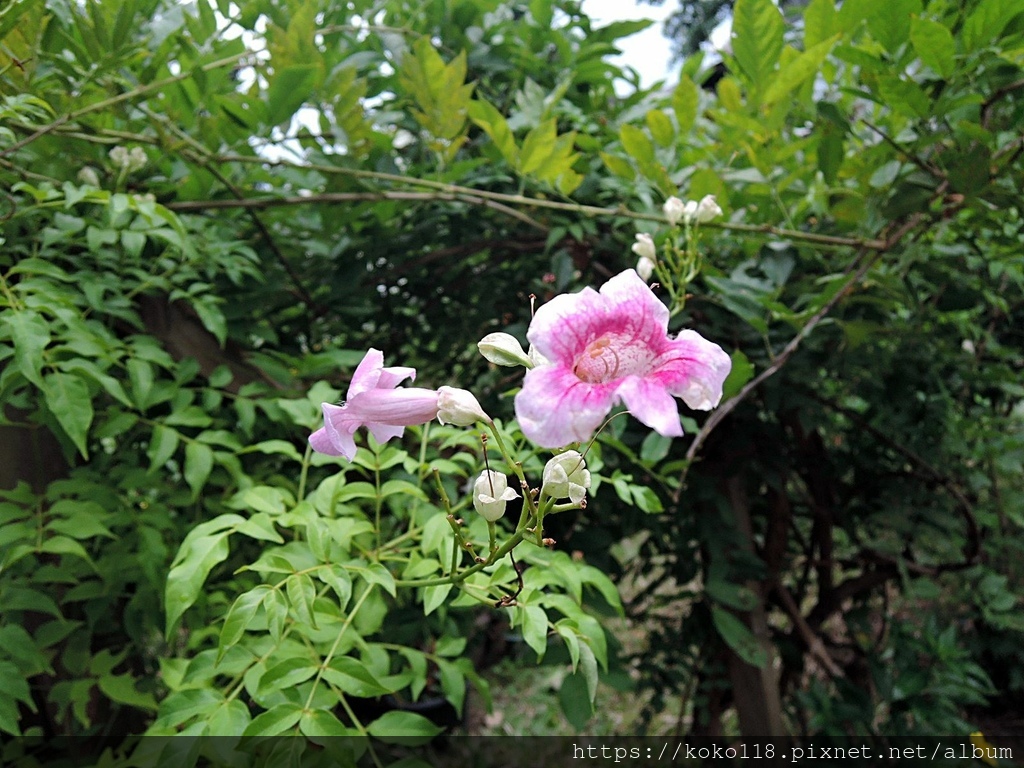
(608,347)
(374,402)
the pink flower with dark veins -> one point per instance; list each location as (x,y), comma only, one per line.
(608,347)
(374,403)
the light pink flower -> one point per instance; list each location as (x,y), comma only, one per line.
(374,403)
(608,347)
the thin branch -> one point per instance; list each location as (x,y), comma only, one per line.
(814,644)
(126,96)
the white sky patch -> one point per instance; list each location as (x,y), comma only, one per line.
(648,52)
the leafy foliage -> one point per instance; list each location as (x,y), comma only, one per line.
(212,209)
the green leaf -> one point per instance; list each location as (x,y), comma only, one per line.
(162,445)
(229,719)
(67,397)
(654,448)
(889,21)
(198,464)
(434,597)
(288,89)
(275,720)
(409,727)
(757,38)
(686,103)
(140,374)
(195,560)
(738,637)
(493,123)
(575,701)
(742,371)
(934,45)
(375,573)
(354,678)
(30,334)
(302,595)
(636,144)
(240,616)
(660,127)
(287,674)
(323,722)
(820,22)
(537,147)
(534,622)
(798,71)
(338,579)
(986,22)
(121,689)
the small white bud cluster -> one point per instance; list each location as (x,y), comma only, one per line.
(128,160)
(692,211)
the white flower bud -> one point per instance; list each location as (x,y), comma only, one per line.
(490,495)
(119,156)
(536,358)
(503,349)
(566,475)
(458,407)
(137,159)
(644,247)
(673,209)
(88,175)
(645,268)
(707,209)
(689,210)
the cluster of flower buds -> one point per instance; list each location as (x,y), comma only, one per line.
(565,476)
(128,161)
(692,211)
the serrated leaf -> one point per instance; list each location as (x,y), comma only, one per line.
(67,397)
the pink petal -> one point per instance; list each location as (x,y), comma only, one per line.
(696,371)
(367,373)
(394,407)
(335,438)
(562,328)
(650,403)
(555,408)
(395,375)
(633,298)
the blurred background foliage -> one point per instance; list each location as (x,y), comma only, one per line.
(839,552)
